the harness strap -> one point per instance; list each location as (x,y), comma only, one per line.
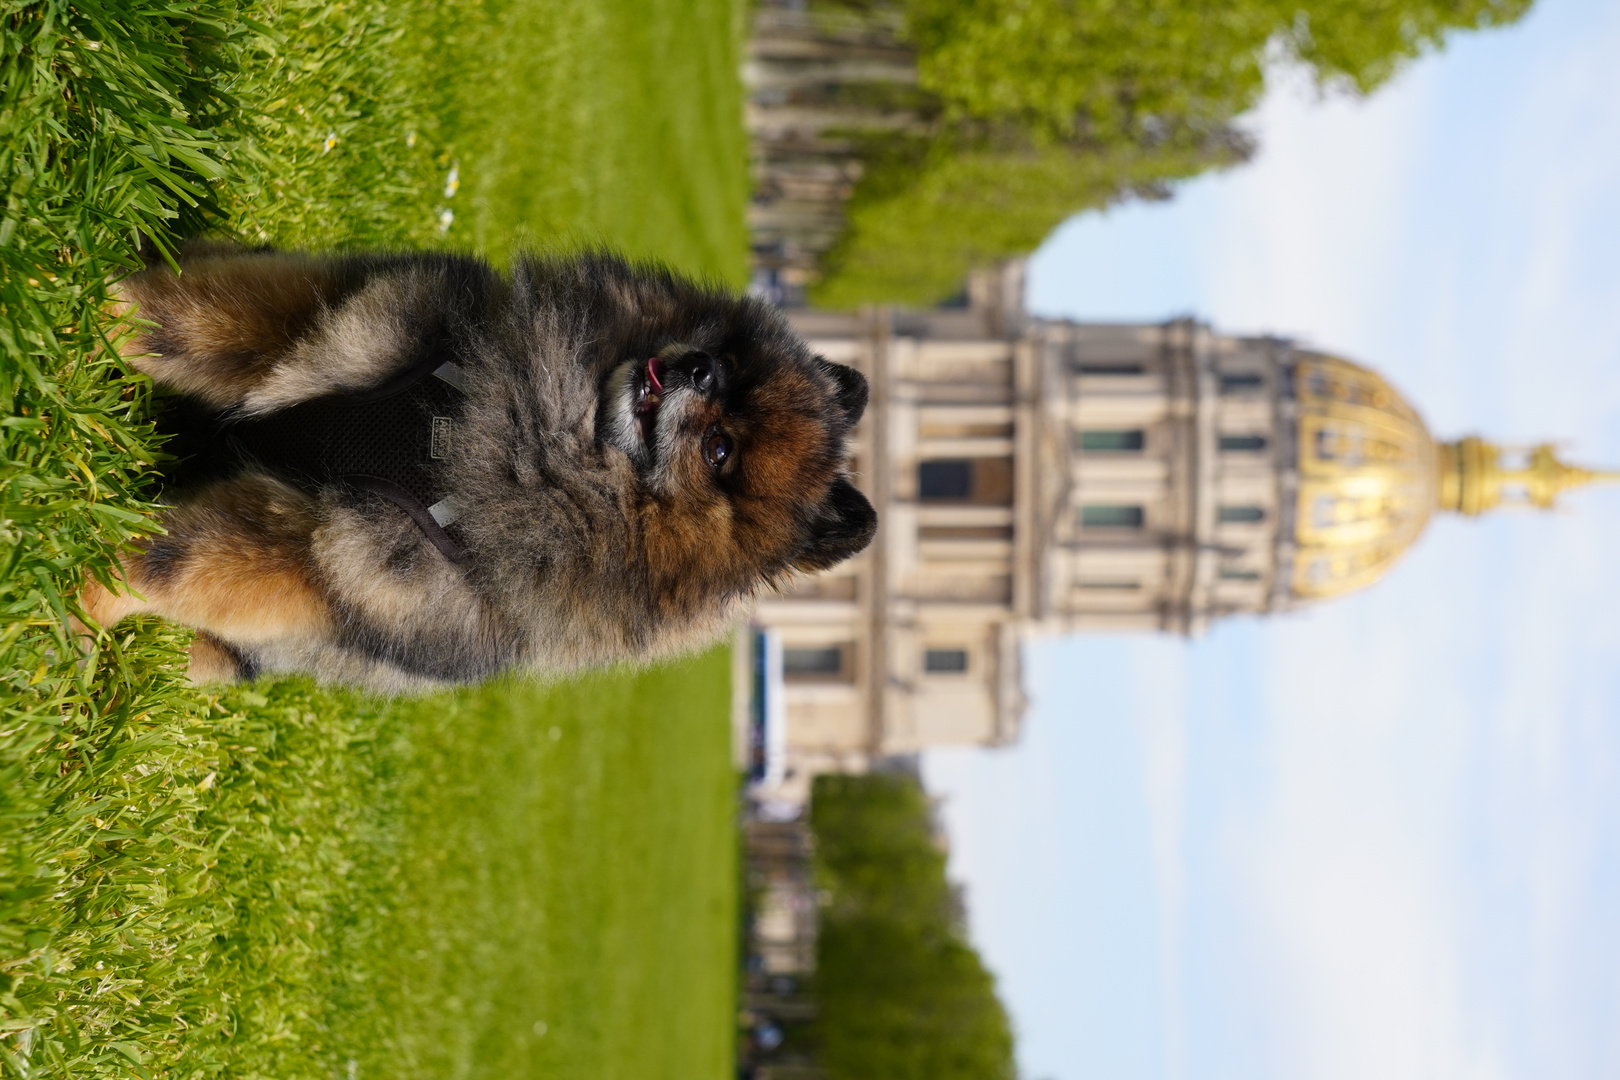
(387,441)
(426,520)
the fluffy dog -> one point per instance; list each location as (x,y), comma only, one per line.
(411,470)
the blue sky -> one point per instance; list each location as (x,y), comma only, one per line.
(1380,837)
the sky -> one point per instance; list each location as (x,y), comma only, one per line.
(1379,837)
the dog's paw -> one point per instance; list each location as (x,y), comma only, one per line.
(212,662)
(104,606)
(128,331)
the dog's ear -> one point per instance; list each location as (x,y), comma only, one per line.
(852,391)
(843,525)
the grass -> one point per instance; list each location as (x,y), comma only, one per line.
(280,881)
(565,122)
(469,869)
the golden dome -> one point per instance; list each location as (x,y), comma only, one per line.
(1367,476)
(1370,475)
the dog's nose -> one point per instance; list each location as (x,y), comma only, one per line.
(701,369)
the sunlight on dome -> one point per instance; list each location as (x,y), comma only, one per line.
(1370,475)
(1367,480)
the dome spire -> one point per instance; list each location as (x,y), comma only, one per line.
(1474,478)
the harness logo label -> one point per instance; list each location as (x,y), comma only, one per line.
(439,447)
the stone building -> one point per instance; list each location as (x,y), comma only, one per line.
(782,910)
(778,868)
(1039,476)
(818,84)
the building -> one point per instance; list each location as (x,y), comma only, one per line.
(1042,477)
(782,906)
(781,916)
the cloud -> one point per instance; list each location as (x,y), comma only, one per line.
(1348,880)
(1056,841)
(1428,873)
(1378,838)
(1304,240)
(1561,278)
(1158,675)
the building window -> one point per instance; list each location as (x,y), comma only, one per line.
(945,479)
(1229,574)
(1243,444)
(1111,516)
(1348,445)
(978,481)
(816,663)
(1111,442)
(1241,515)
(964,532)
(945,661)
(1107,369)
(1110,586)
(1239,382)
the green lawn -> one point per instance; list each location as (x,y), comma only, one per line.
(281,882)
(428,885)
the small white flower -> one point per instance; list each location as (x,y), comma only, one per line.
(445,218)
(452,183)
(331,141)
(540,1028)
(410,139)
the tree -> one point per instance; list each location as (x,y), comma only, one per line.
(902,995)
(927,211)
(1127,95)
(1106,67)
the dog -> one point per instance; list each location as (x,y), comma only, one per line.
(408,471)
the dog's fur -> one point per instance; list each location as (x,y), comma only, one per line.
(589,542)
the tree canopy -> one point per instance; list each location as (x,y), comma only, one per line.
(1106,67)
(1106,98)
(902,995)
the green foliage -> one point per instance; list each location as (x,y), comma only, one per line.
(875,844)
(99,141)
(922,219)
(901,995)
(107,128)
(280,880)
(1132,95)
(1102,68)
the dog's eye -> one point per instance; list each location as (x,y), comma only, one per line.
(716,448)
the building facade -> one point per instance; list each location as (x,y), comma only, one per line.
(1041,476)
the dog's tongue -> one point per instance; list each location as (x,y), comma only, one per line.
(653,367)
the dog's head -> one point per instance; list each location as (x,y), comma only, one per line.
(738,434)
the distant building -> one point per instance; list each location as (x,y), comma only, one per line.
(1041,476)
(779,952)
(778,861)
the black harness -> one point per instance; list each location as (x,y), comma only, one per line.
(391,441)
